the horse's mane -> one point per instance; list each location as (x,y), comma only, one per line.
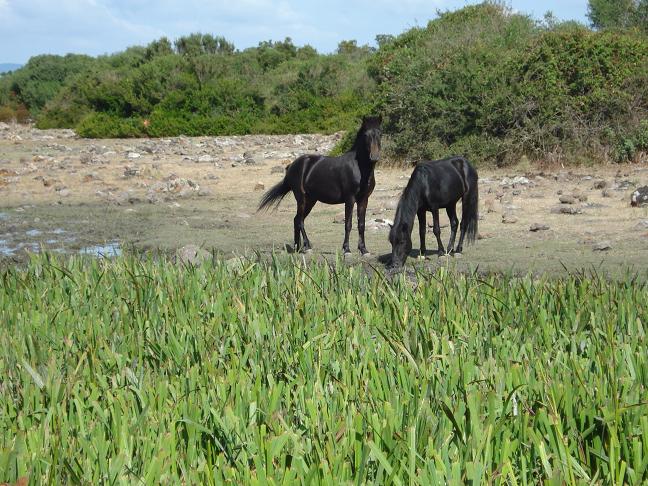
(409,202)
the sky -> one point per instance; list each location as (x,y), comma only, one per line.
(31,27)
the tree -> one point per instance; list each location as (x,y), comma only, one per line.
(198,44)
(606,14)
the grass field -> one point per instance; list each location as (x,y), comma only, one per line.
(133,371)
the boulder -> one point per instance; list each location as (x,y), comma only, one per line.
(191,255)
(639,197)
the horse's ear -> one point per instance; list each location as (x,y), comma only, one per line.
(380,120)
(390,225)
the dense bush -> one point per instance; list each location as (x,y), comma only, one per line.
(98,125)
(494,85)
(201,86)
(480,81)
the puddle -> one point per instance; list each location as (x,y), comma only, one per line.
(57,240)
(108,250)
(5,249)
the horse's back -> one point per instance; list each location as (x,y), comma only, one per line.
(443,181)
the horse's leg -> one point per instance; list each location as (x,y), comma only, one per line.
(362,212)
(308,206)
(348,224)
(462,233)
(299,219)
(437,231)
(422,228)
(454,224)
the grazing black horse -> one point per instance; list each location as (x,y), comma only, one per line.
(347,179)
(434,185)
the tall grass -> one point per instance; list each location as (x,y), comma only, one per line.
(140,372)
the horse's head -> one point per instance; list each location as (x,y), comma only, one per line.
(372,133)
(401,241)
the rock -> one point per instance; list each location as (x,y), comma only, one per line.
(249,161)
(489,204)
(509,219)
(131,171)
(206,158)
(121,197)
(624,185)
(566,210)
(391,204)
(567,199)
(64,192)
(515,181)
(600,184)
(259,186)
(642,225)
(191,255)
(538,227)
(602,246)
(204,193)
(639,198)
(606,193)
(379,223)
(133,155)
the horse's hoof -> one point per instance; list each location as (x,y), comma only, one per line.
(365,254)
(307,250)
(420,257)
(347,254)
(457,255)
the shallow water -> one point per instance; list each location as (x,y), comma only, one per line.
(111,249)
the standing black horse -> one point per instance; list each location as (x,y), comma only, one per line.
(347,179)
(434,185)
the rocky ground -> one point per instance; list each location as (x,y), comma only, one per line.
(67,194)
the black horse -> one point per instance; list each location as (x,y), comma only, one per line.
(347,179)
(434,185)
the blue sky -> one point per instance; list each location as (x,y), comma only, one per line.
(30,27)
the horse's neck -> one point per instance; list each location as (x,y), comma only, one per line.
(364,163)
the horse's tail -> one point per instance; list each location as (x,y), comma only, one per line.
(470,203)
(275,194)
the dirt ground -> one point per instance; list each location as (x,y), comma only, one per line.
(62,193)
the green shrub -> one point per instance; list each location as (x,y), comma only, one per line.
(633,143)
(101,125)
(7,114)
(494,86)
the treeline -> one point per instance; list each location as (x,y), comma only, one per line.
(481,81)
